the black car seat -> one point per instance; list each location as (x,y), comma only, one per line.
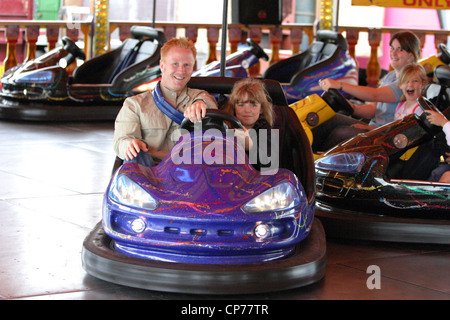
(223,85)
(322,51)
(295,149)
(439,93)
(135,54)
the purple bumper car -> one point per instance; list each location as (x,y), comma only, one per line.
(205,220)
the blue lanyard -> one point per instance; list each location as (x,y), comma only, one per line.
(165,106)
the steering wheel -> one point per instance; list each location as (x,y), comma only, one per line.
(337,101)
(214,119)
(70,46)
(257,50)
(425,105)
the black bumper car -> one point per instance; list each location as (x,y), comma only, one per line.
(373,186)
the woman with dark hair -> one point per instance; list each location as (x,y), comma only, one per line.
(404,49)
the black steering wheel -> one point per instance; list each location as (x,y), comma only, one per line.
(257,50)
(337,101)
(70,46)
(426,105)
(214,119)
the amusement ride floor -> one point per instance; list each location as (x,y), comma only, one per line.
(52,181)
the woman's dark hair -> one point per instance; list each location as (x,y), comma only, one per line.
(408,42)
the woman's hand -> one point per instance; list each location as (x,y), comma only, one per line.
(436,118)
(327,83)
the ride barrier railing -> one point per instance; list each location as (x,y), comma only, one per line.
(18,38)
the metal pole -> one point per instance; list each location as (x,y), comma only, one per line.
(442,19)
(336,26)
(154,13)
(223,51)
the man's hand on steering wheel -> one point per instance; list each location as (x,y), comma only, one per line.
(214,118)
(196,111)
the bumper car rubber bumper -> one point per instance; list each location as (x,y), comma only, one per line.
(346,224)
(304,267)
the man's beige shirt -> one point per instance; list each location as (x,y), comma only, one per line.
(140,118)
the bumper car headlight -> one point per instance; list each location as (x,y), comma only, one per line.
(280,197)
(128,193)
(350,162)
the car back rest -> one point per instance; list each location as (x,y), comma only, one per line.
(284,70)
(105,68)
(442,74)
(223,85)
(295,149)
(132,53)
(144,47)
(314,54)
(327,44)
(330,55)
(96,70)
(328,36)
(328,50)
(439,93)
